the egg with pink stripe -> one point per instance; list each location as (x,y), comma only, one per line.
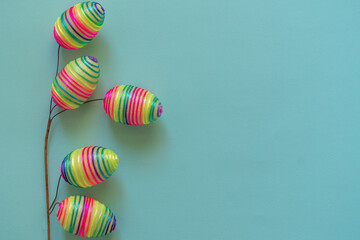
(88,166)
(76,82)
(78,25)
(85,217)
(131,105)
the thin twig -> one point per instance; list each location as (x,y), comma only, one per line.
(57,203)
(58,58)
(53,108)
(57,191)
(58,113)
(51,102)
(93,100)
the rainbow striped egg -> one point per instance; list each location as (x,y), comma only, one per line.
(88,166)
(79,25)
(131,105)
(76,82)
(85,217)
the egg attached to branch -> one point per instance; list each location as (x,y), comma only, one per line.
(88,166)
(131,105)
(79,25)
(76,82)
(85,217)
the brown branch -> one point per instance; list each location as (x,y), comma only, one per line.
(46,176)
(45,152)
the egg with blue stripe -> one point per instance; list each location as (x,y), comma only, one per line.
(88,166)
(76,82)
(132,105)
(78,25)
(85,217)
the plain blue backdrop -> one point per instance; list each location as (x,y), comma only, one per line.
(260,133)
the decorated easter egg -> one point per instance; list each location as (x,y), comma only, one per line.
(85,217)
(88,166)
(131,105)
(76,82)
(79,25)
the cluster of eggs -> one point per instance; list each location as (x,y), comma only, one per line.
(76,82)
(81,215)
(126,104)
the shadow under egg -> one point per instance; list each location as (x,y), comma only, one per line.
(144,139)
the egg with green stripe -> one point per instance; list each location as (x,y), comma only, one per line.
(78,25)
(131,105)
(88,166)
(76,82)
(85,217)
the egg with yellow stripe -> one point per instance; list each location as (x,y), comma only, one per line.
(85,217)
(76,82)
(79,25)
(131,105)
(88,166)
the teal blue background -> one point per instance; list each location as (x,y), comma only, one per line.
(260,133)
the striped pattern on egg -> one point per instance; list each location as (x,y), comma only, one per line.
(88,166)
(79,25)
(85,217)
(76,82)
(131,105)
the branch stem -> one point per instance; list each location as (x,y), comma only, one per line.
(46,175)
(92,100)
(46,149)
